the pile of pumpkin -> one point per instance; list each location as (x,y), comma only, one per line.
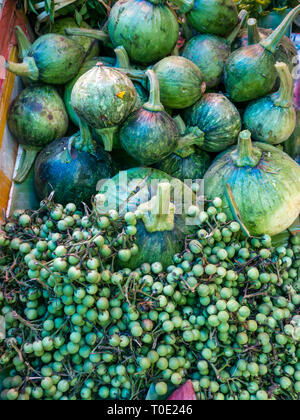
(151,104)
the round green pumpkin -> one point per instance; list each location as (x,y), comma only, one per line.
(147,29)
(265,183)
(158,241)
(218,118)
(181,82)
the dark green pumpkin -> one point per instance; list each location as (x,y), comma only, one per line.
(147,29)
(219,120)
(52,59)
(159,236)
(273,119)
(210,53)
(103,98)
(215,17)
(250,71)
(181,82)
(265,183)
(36,118)
(72,169)
(150,134)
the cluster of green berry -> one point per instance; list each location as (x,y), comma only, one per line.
(225,314)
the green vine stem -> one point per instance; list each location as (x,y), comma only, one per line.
(108,135)
(284,97)
(24,45)
(271,43)
(26,69)
(122,59)
(154,103)
(242,20)
(27,160)
(185,6)
(253,33)
(246,154)
(158,214)
(89,33)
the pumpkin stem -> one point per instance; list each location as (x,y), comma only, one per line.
(186,152)
(185,6)
(84,142)
(253,33)
(158,214)
(242,20)
(285,96)
(154,103)
(27,160)
(194,136)
(246,154)
(89,33)
(26,69)
(271,43)
(122,59)
(180,125)
(24,44)
(108,135)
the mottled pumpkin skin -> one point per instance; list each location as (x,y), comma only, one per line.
(103,97)
(209,53)
(218,118)
(269,123)
(216,17)
(147,31)
(181,82)
(37,116)
(90,46)
(73,175)
(267,195)
(249,73)
(190,168)
(149,136)
(153,247)
(57,57)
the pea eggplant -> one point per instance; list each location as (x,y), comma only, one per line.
(36,118)
(72,168)
(259,184)
(215,17)
(51,59)
(150,134)
(103,98)
(273,119)
(218,119)
(250,71)
(210,52)
(158,200)
(147,29)
(121,61)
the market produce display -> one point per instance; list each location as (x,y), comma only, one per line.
(132,279)
(222,315)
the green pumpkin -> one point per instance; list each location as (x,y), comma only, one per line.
(215,17)
(103,98)
(250,71)
(36,118)
(292,145)
(147,29)
(210,53)
(91,47)
(181,82)
(121,61)
(273,119)
(265,183)
(150,134)
(285,52)
(162,226)
(52,59)
(72,168)
(219,120)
